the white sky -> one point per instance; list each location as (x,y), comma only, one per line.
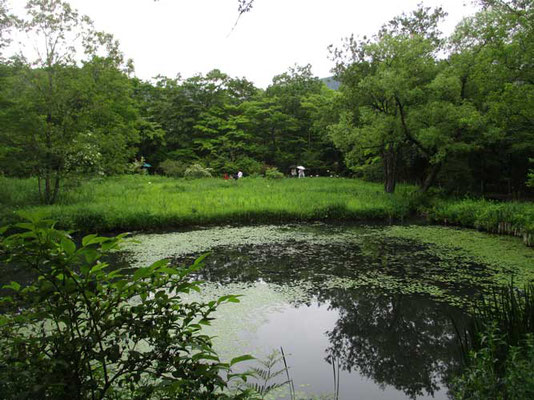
(190,36)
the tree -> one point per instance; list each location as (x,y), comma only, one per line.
(6,22)
(493,52)
(54,98)
(404,101)
(384,78)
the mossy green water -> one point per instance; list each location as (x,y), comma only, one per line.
(447,264)
(504,256)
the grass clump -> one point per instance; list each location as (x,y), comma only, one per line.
(136,202)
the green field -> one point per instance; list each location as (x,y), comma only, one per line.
(137,202)
(150,202)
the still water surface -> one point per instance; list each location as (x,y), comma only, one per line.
(345,302)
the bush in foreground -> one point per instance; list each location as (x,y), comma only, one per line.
(85,330)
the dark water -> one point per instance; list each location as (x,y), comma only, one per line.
(379,343)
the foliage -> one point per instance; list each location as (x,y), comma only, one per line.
(500,364)
(481,380)
(530,177)
(84,329)
(6,21)
(511,218)
(197,171)
(463,121)
(273,173)
(268,374)
(63,116)
(172,168)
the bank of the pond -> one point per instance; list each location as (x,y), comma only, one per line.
(129,203)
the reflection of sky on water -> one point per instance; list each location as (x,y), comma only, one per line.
(271,316)
(302,333)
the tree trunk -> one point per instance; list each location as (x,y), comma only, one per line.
(431,177)
(389,158)
(56,190)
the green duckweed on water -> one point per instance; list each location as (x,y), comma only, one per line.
(444,263)
(505,256)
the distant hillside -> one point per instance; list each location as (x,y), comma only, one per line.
(331,83)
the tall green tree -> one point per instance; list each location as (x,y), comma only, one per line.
(404,103)
(493,53)
(385,79)
(64,116)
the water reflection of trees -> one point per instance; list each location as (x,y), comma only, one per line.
(407,342)
(404,341)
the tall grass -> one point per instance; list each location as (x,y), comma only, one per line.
(152,202)
(500,348)
(509,218)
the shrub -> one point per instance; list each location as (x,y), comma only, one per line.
(273,173)
(173,168)
(197,171)
(83,329)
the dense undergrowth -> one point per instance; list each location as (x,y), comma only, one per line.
(154,202)
(499,348)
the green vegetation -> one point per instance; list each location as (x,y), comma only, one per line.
(83,329)
(500,363)
(151,202)
(413,106)
(510,218)
(454,120)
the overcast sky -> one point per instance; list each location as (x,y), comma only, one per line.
(171,37)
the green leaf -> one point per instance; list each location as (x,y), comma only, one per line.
(230,298)
(246,357)
(68,245)
(141,273)
(25,225)
(98,267)
(12,285)
(159,264)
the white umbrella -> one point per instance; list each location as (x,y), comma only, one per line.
(300,167)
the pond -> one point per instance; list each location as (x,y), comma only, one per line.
(367,312)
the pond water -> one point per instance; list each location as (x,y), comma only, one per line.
(357,310)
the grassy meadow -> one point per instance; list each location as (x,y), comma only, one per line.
(152,202)
(137,202)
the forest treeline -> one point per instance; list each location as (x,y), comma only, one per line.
(413,106)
